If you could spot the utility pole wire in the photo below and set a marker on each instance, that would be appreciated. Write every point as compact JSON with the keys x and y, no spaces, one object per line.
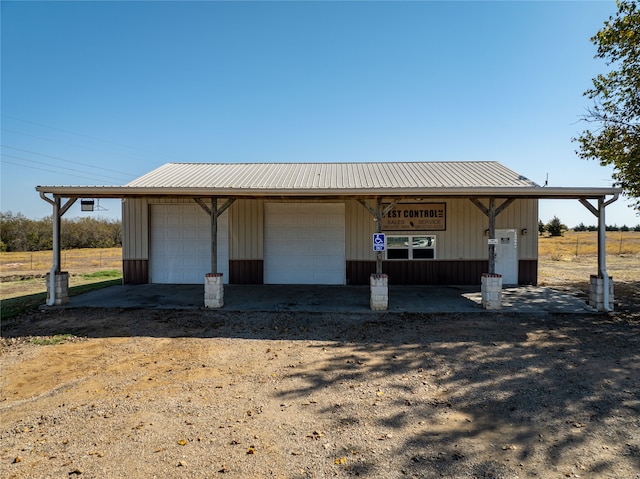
{"x":59,"y":167}
{"x":65,"y":160}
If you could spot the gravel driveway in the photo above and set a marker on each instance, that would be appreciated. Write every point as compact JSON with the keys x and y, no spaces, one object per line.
{"x":205,"y":394}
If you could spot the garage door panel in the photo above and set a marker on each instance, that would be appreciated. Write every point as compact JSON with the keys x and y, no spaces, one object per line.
{"x":190,"y":234}
{"x":306,"y":234}
{"x":307,"y":248}
{"x":180,"y":246}
{"x":304,"y":243}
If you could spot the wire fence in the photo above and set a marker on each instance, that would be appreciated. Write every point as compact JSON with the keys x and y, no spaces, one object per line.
{"x":77,"y":261}
{"x":586,"y":244}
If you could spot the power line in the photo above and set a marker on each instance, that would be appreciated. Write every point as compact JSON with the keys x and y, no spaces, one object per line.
{"x":49,"y":171}
{"x":88,"y":148}
{"x":121,"y":145}
{"x":124,"y":175}
{"x":58,"y":167}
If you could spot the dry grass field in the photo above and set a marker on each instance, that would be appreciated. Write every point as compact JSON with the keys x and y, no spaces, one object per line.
{"x":585,"y":243}
{"x":22,"y":275}
{"x":567,"y":262}
{"x":574,"y":256}
{"x":77,"y":261}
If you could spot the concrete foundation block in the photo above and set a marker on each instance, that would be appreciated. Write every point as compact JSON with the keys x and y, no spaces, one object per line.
{"x":213,"y":290}
{"x":379,"y":292}
{"x":491,"y":287}
{"x":61,"y":288}
{"x":596,"y":293}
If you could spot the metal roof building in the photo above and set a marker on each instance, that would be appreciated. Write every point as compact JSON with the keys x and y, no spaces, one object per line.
{"x":315,"y":223}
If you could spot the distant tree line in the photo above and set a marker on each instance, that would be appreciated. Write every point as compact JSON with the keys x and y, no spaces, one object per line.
{"x":555,"y":227}
{"x":19,"y":233}
{"x":582,"y":227}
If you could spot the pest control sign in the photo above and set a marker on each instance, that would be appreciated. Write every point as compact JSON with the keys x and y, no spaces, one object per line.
{"x":378,"y":241}
{"x":416,"y":217}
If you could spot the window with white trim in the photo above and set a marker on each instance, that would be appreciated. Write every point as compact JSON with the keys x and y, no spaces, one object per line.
{"x":411,"y":247}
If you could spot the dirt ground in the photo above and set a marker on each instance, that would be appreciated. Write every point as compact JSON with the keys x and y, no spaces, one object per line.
{"x":203,"y":394}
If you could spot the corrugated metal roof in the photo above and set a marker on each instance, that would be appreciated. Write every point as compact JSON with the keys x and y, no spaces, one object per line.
{"x":332,"y":176}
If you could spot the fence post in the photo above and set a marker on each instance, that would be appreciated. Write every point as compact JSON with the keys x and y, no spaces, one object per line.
{"x":620,"y":248}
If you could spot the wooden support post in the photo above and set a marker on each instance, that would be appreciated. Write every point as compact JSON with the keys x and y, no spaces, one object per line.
{"x":379,"y":215}
{"x":492,"y":213}
{"x":602,"y":254}
{"x":56,"y":267}
{"x":214,"y":234}
{"x":601,"y":303}
{"x":214,"y":212}
{"x":492,"y":235}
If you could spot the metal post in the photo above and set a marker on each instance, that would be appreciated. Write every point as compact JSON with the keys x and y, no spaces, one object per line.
{"x":602,"y":253}
{"x":214,"y":234}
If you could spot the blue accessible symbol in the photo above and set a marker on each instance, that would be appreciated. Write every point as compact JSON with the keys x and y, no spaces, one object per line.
{"x":378,"y":241}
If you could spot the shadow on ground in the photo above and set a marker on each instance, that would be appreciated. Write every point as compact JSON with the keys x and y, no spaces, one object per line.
{"x":561,"y":388}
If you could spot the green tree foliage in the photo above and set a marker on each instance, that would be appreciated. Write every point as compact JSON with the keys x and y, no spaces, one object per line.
{"x":555,"y":227}
{"x":615,"y":138}
{"x":19,"y":233}
{"x":580,"y":227}
{"x":88,"y":232}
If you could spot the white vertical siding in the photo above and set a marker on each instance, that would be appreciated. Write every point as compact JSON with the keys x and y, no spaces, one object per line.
{"x":463,"y":239}
{"x":358,"y":233}
{"x":246,"y":233}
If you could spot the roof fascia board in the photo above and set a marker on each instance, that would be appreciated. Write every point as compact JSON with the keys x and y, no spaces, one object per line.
{"x":462,"y":192}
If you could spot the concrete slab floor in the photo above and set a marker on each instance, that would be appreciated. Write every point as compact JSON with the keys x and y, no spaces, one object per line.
{"x":315,"y":298}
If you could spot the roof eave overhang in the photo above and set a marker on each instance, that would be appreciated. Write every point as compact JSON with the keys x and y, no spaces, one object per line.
{"x":458,"y":192}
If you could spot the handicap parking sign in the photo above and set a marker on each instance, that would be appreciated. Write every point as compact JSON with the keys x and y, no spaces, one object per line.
{"x":378,"y":241}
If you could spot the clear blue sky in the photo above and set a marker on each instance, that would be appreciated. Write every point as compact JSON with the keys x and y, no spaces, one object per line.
{"x":98,"y":93}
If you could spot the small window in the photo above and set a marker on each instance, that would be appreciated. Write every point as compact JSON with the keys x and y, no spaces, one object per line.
{"x":397,"y":247}
{"x":398,"y":253}
{"x":411,"y":247}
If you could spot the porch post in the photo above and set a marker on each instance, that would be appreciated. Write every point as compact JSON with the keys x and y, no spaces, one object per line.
{"x":379,"y":215}
{"x":57,"y":281}
{"x":602,"y":239}
{"x":491,"y":283}
{"x":378,"y":282}
{"x":601,"y":287}
{"x":56,"y":266}
{"x":601,"y":284}
{"x":55,"y":294}
{"x":213,"y":281}
{"x":491,"y":213}
{"x":214,"y":234}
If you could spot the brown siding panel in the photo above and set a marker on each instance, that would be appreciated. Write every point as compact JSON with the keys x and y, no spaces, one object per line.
{"x":246,"y":271}
{"x":435,"y":272}
{"x":135,"y":271}
{"x":358,"y":272}
{"x":425,"y":272}
{"x":528,"y":271}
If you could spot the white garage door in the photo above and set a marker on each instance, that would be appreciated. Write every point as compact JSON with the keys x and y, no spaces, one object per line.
{"x":180,"y":249}
{"x":304,"y":243}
